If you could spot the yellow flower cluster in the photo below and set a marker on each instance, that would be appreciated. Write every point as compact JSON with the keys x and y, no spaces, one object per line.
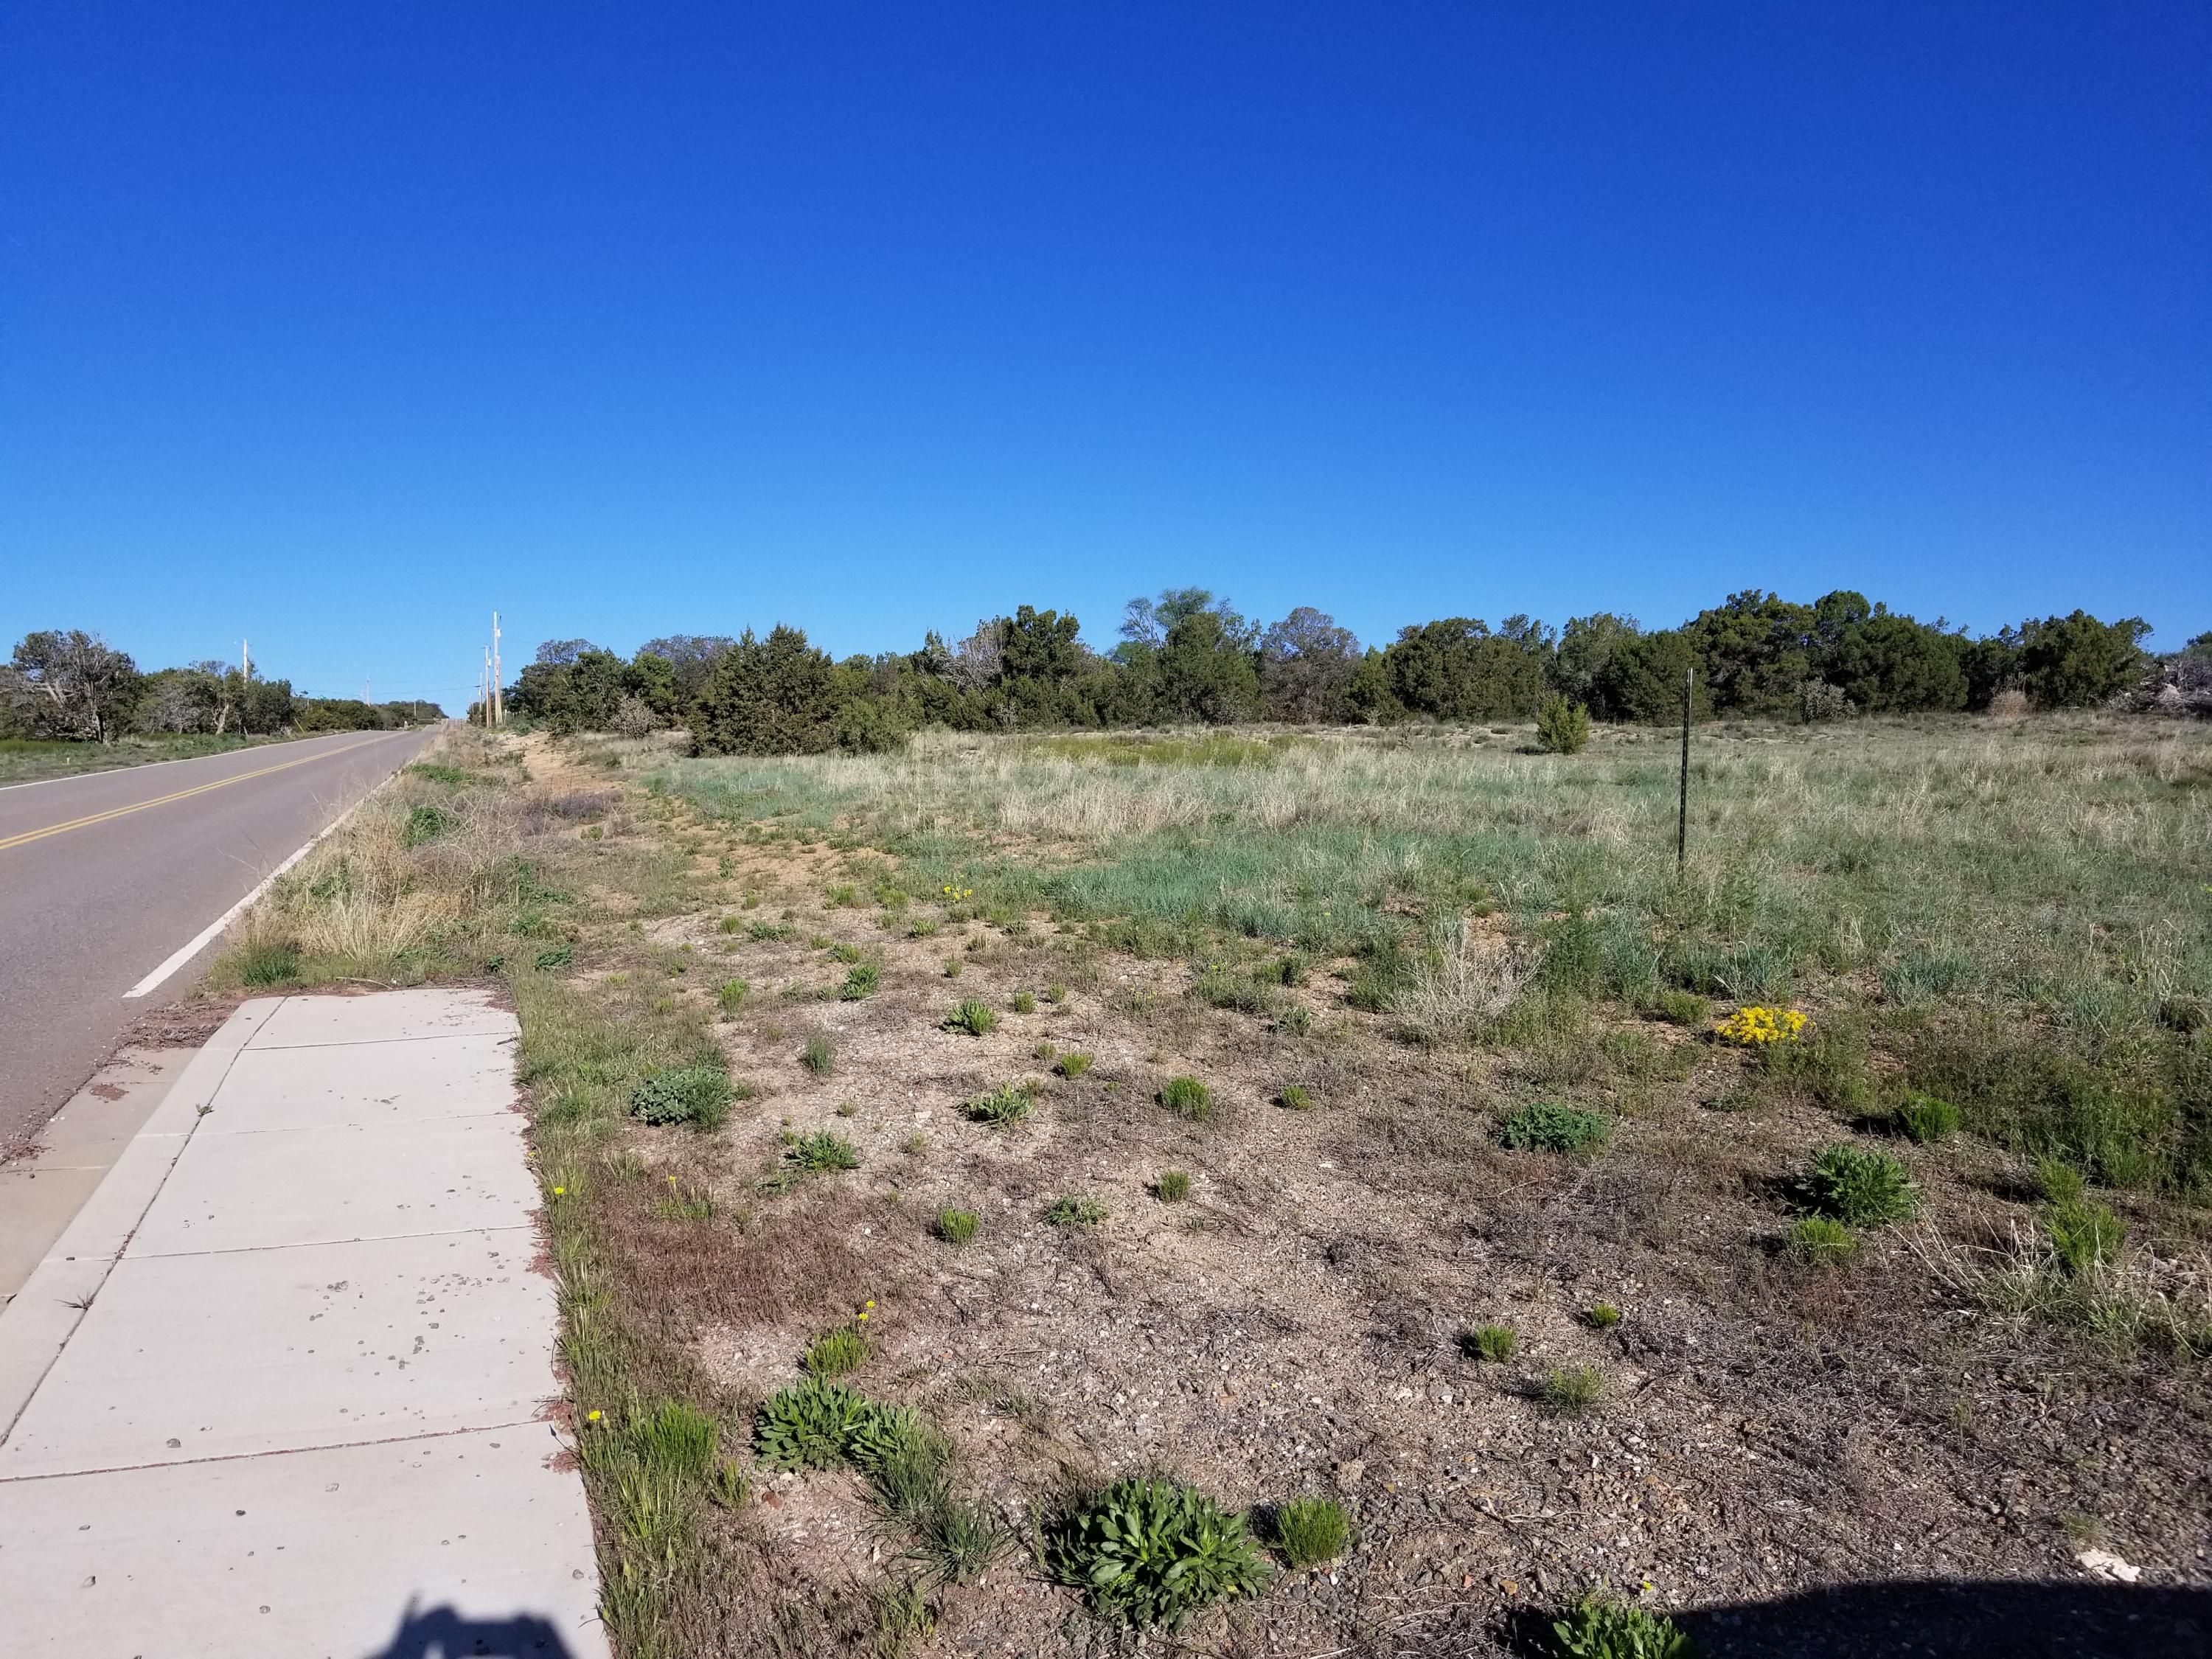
{"x":959,"y":892}
{"x":1756,"y":1027}
{"x":867,"y":1308}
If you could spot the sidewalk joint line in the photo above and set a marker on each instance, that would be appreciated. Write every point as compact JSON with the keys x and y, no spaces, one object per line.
{"x":275,"y":1452}
{"x":325,"y":1244}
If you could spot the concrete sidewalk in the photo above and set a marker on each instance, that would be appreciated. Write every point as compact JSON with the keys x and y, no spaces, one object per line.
{"x":282,"y":1386}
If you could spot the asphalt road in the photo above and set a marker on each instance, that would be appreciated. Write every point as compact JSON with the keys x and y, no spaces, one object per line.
{"x":104,"y":877}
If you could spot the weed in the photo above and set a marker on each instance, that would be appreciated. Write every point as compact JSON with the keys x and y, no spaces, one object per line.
{"x":821,"y":1151}
{"x":270,"y":961}
{"x":1548,"y":1126}
{"x":1007,"y":1105}
{"x":915,"y":1145}
{"x":426,"y":823}
{"x":2059,"y":1182}
{"x":953,"y":967}
{"x":1310,"y":1532}
{"x":976,"y":1017}
{"x":1924,"y":1118}
{"x":674,"y":1438}
{"x":956,"y":1541}
{"x":1023,"y":1002}
{"x":698,"y":1094}
{"x":1860,"y":1186}
{"x":847,"y":1109}
{"x":1495,"y":1343}
{"x":1821,"y":1241}
{"x":956,"y":1226}
{"x":1297,"y":1020}
{"x":1295,"y":1098}
{"x":731,"y":923}
{"x":561,"y":956}
{"x":1685,"y":1008}
{"x":1072,"y":1064}
{"x":1075,"y":1210}
{"x":1148,"y":1550}
{"x":2084,"y":1235}
{"x":1172,"y":1185}
{"x":1603,"y":1317}
{"x":732,"y":994}
{"x":1570,"y":1390}
{"x":728,"y":1486}
{"x":836,"y":1353}
{"x":1185,"y":1097}
{"x":1599,"y":1628}
{"x":1055,"y":994}
{"x":861,"y":979}
{"x":819,"y":1056}
{"x":809,"y":1425}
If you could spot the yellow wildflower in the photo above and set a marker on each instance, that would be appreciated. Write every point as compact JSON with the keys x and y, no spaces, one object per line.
{"x":1752,"y":1026}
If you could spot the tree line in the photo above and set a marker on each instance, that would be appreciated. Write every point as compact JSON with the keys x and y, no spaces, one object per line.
{"x":1187,"y":656}
{"x":70,"y":684}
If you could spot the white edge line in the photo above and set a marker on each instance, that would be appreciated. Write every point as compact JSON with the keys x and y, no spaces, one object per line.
{"x":206,"y":936}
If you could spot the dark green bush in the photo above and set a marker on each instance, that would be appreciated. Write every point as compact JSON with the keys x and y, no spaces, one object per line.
{"x":1153,"y":1552}
{"x":1563,"y":727}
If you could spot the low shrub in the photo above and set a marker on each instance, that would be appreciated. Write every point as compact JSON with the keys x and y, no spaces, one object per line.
{"x":1925,"y":1119}
{"x":1007,"y":1105}
{"x":1570,"y":1390}
{"x":1685,"y":1008}
{"x":956,"y":1226}
{"x":1819,"y":1241}
{"x":1495,"y":1343}
{"x":1603,"y":1317}
{"x":1185,"y":1097}
{"x":1075,"y":1210}
{"x":1563,"y":727}
{"x":976,"y":1017}
{"x":1310,"y":1532}
{"x":1152,"y":1552}
{"x":698,"y":1094}
{"x":1599,"y":1628}
{"x":820,"y":1150}
{"x":1548,"y":1126}
{"x":1860,"y":1186}
{"x":1172,"y":1186}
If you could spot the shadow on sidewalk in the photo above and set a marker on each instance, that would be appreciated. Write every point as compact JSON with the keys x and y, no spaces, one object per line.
{"x":442,"y":1633}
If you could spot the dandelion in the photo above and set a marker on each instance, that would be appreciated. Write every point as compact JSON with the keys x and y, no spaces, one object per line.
{"x":591,"y":1417}
{"x":560,"y":1192}
{"x":1755,"y":1027}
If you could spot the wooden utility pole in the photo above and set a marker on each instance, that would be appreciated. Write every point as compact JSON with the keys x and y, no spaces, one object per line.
{"x":1683,"y":809}
{"x":498,"y":702}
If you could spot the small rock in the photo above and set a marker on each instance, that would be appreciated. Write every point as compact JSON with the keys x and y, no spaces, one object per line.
{"x":2106,"y":1565}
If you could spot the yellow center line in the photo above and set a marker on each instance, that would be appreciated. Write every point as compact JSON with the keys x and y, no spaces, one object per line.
{"x":6,"y":841}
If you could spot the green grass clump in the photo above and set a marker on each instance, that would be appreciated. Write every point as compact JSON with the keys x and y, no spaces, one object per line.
{"x":732,"y":994}
{"x":1152,"y":1552}
{"x":2084,"y":1235}
{"x":1924,"y":1118}
{"x":1075,"y":1210}
{"x":976,"y":1018}
{"x":836,"y":1353}
{"x":1023,"y":1002}
{"x":1185,"y":1097}
{"x":1310,"y":1532}
{"x":1548,"y":1126}
{"x":1603,"y":1317}
{"x":698,"y":1094}
{"x":1495,"y":1343}
{"x":1007,"y":1105}
{"x":1599,"y":1628}
{"x":1072,"y":1064}
{"x":1570,"y":1390}
{"x":1859,"y":1186}
{"x":1685,"y":1008}
{"x":2059,"y":1181}
{"x":1172,"y":1185}
{"x":269,"y":962}
{"x":956,"y":1226}
{"x":819,"y":1056}
{"x":1295,"y":1098}
{"x":1821,"y":1241}
{"x":425,"y":824}
{"x":821,"y":1151}
{"x":809,"y":1425}
{"x":861,"y":979}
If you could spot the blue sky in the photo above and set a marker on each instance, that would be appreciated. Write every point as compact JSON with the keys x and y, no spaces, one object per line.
{"x":338,"y":326}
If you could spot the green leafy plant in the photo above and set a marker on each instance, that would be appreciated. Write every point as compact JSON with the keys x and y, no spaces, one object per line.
{"x":1172,"y":1185}
{"x":697,"y":1094}
{"x":976,"y":1018}
{"x":1075,"y":1210}
{"x":1549,"y":1126}
{"x":1860,"y":1186}
{"x":1821,"y":1241}
{"x":1570,"y":1390}
{"x":1495,"y":1343}
{"x":1295,"y":1098}
{"x":732,"y":994}
{"x":1563,"y":727}
{"x":861,"y":979}
{"x":1310,"y":1532}
{"x":1685,"y":1008}
{"x":809,"y":1425}
{"x":1185,"y":1097}
{"x":426,"y":823}
{"x":956,"y":1226}
{"x":1603,"y":1317}
{"x":1072,"y":1064}
{"x":1007,"y":1105}
{"x":819,"y":1056}
{"x":819,"y":1150}
{"x":1924,"y":1118}
{"x":561,"y":956}
{"x":836,"y":1353}
{"x":1600,"y":1628}
{"x":1149,"y":1551}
